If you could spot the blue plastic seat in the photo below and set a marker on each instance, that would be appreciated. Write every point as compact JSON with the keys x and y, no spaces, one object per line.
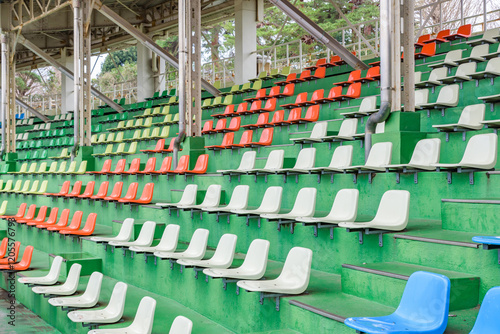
{"x":487,"y":240}
{"x":487,"y":320}
{"x":423,"y":308}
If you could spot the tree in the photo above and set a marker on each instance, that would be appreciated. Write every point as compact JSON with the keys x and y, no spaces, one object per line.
{"x":27,"y":83}
{"x":120,"y":57}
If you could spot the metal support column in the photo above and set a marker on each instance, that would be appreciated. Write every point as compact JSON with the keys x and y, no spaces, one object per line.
{"x":8,"y":112}
{"x":396,"y":54}
{"x":196,"y":69}
{"x":409,"y":51}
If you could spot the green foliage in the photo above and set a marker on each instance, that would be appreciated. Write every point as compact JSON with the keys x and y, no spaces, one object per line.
{"x":27,"y":82}
{"x":121,"y":57}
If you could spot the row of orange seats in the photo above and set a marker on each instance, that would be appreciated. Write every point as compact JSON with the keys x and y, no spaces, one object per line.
{"x":445,"y":35}
{"x":9,"y":256}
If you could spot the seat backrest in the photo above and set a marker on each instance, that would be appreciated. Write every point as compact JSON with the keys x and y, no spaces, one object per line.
{"x":275,"y":159}
{"x":126,"y":230}
{"x":335,"y":92}
{"x":33,"y":189}
{"x":228,"y":139}
{"x":296,"y":270}
{"x":201,"y":165}
{"x":207,"y":126}
{"x":424,"y":38}
{"x":117,"y":301}
{"x":246,"y":137}
{"x":275,"y":90}
{"x":443,"y":33}
{"x":77,"y":188}
{"x":278,"y":116}
{"x":266,"y":137}
{"x":135,"y":165}
{"x":198,"y":244}
{"x":224,"y":253}
{"x":26,"y":186}
{"x":426,"y":297}
{"x":120,"y":166}
{"x":438,"y":74}
{"x":131,"y":191}
{"x":52,"y":216}
{"x":248,"y":160}
{"x":143,"y":321}
{"x":465,"y":29}
{"x":183,"y":164}
{"x":480,"y":50}
{"x":312,"y":113}
{"x":394,"y":209}
{"x":189,"y":195}
{"x":354,"y":90}
{"x":26,"y":259}
{"x":305,"y":203}
{"x":181,"y":325}
{"x":90,"y":223}
{"x":89,"y":189}
{"x":8,"y":187}
{"x":255,"y":262}
{"x":72,"y":167}
{"x":212,"y":196}
{"x":150,"y":165}
{"x":146,"y":235}
{"x":472,"y":115}
{"x":348,"y":127}
{"x":132,"y":148}
{"x":117,"y":190}
{"x":493,"y":65}
{"x":170,"y":237}
{"x":294,"y":114}
{"x":487,"y":320}
{"x":380,"y":155}
{"x":305,"y":158}
{"x":342,"y":157}
{"x":421,"y":97}
{"x":426,"y":152}
{"x":42,"y":213}
{"x":429,"y":49}
{"x":262,"y":119}
{"x":481,"y":151}
{"x":65,"y":187}
{"x":76,"y":220}
{"x":147,"y":192}
{"x":453,"y":55}
{"x":301,"y":97}
{"x":345,"y":205}
{"x":239,"y":198}
{"x":83,"y":167}
{"x":221,"y":124}
{"x":319,"y":130}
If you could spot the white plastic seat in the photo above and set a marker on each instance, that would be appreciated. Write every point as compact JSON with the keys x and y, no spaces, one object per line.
{"x":450,"y":60}
{"x":238,"y":201}
{"x":273,"y":163}
{"x":305,"y":161}
{"x":271,"y":203}
{"x":341,"y":159}
{"x":304,"y":206}
{"x":88,"y":299}
{"x":347,"y":130}
{"x":110,"y":314}
{"x":477,"y":54}
{"x":463,"y":73}
{"x":294,"y":277}
{"x":392,"y":214}
{"x":188,"y":197}
{"x":448,"y":97}
{"x":368,"y":106}
{"x":470,"y":119}
{"x":344,"y":209}
{"x":247,"y":162}
{"x":211,"y":200}
{"x":195,"y":251}
{"x":488,"y":37}
{"x":379,"y":157}
{"x":493,"y":54}
{"x":181,"y":325}
{"x":143,"y":321}
{"x":68,"y":288}
{"x":318,"y":132}
{"x":425,"y":155}
{"x":222,"y":258}
{"x":421,"y":97}
{"x":435,"y":77}
{"x":168,"y":241}
{"x":417,"y":77}
{"x":144,"y":239}
{"x":124,"y":235}
{"x":49,"y":279}
{"x":253,"y":267}
{"x":492,"y":70}
{"x":480,"y":153}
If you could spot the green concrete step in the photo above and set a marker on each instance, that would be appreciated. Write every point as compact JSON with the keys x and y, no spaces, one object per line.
{"x":471,"y":215}
{"x":384,"y":282}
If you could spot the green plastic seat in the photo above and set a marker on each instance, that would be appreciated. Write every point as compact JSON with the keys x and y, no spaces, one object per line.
{"x":17,"y":187}
{"x":42,"y":189}
{"x":34,"y":187}
{"x":71,"y":168}
{"x":119,"y":150}
{"x":7,"y":187}
{"x":62,"y":168}
{"x":120,"y":126}
{"x":41,"y":169}
{"x":136,"y":136}
{"x":81,"y":170}
{"x":109,"y":139}
{"x":147,"y":113}
{"x":25,"y":187}
{"x":107,"y":151}
{"x":52,"y":168}
{"x":119,"y":137}
{"x":132,"y":148}
{"x":23,"y":169}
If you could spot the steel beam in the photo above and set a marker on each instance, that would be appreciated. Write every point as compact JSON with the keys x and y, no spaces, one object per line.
{"x":67,"y":72}
{"x":32,"y":110}
{"x":146,"y":41}
{"x":319,"y":34}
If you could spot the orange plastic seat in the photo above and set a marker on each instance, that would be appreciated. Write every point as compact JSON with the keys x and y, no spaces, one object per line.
{"x":423,"y":39}
{"x":20,"y":212}
{"x":316,"y":96}
{"x":261,"y":93}
{"x":234,"y":125}
{"x":75,"y":223}
{"x":353,"y":92}
{"x":245,"y":139}
{"x":120,"y":167}
{"x":150,"y":166}
{"x":303,"y":75}
{"x":294,"y":115}
{"x":319,"y":62}
{"x":165,"y":166}
{"x":30,"y":214}
{"x":228,"y":111}
{"x":312,"y":115}
{"x":115,"y":193}
{"x":64,"y":190}
{"x":266,"y":138}
{"x":342,"y":61}
{"x":287,"y":91}
{"x":318,"y":74}
{"x":207,"y":127}
{"x":87,"y":229}
{"x":63,"y":220}
{"x":428,"y":50}
{"x":77,"y":189}
{"x":106,"y":168}
{"x":275,"y":91}
{"x":50,"y":221}
{"x":353,"y":76}
{"x":334,"y":93}
{"x":440,"y":37}
{"x":102,"y":192}
{"x":278,"y":118}
{"x":289,"y":79}
{"x":334,"y":61}
{"x":301,"y":98}
{"x":463,"y":32}
{"x":89,"y":190}
{"x":227,"y":141}
{"x":261,"y":121}
{"x":221,"y":125}
{"x":170,"y":147}
{"x":3,"y":247}
{"x":372,"y":74}
{"x":40,"y":218}
{"x":182,"y":166}
{"x":146,"y":197}
{"x":160,"y":145}
{"x":12,"y":254}
{"x":131,"y":192}
{"x":135,"y":165}
{"x":23,"y":264}
{"x":201,"y":165}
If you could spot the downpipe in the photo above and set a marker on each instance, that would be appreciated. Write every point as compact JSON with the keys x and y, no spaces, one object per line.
{"x":77,"y":73}
{"x":5,"y":92}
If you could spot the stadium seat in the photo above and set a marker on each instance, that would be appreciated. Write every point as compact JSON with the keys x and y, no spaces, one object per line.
{"x":195,"y":250}
{"x":372,"y":74}
{"x":470,"y":119}
{"x":440,"y":37}
{"x":68,"y":288}
{"x":477,"y":54}
{"x":435,"y":78}
{"x":428,"y":50}
{"x":25,"y":187}
{"x":110,"y":314}
{"x":480,"y":153}
{"x":319,"y":62}
{"x":89,"y":298}
{"x":304,"y":206}
{"x":102,"y":192}
{"x":134,"y":167}
{"x":423,"y":39}
{"x":448,"y":97}
{"x":487,"y":320}
{"x":229,"y":110}
{"x":30,"y":214}
{"x":211,"y":200}
{"x":120,"y":167}
{"x":247,"y":162}
{"x":278,"y":118}
{"x":227,"y":141}
{"x":181,"y":325}
{"x":348,"y":129}
{"x":146,"y":197}
{"x":274,"y":162}
{"x":74,"y":225}
{"x":168,"y":241}
{"x":234,"y":125}
{"x":353,"y":77}
{"x":222,"y":257}
{"x":106,"y":168}
{"x":450,"y":60}
{"x":392,"y":214}
{"x":144,"y":239}
{"x":305,"y":161}
{"x":200,"y":167}
{"x":492,"y":70}
{"x":424,"y":157}
{"x":463,"y":73}
{"x":51,"y":278}
{"x":63,"y":220}
{"x":318,"y":132}
{"x":487,"y":38}
{"x":7,"y":187}
{"x":238,"y":201}
{"x":379,"y":157}
{"x":182,"y":166}
{"x":87,"y":229}
{"x":12,"y":255}
{"x":266,"y":138}
{"x":129,"y":195}
{"x":253,"y":267}
{"x":261,"y":93}
{"x":464,"y":31}
{"x":21,"y":265}
{"x":150,"y":166}
{"x":125,"y":233}
{"x":188,"y":197}
{"x":301,"y":98}
{"x":164,"y":168}
{"x":50,"y":221}
{"x":142,"y":323}
{"x":77,"y":189}
{"x":427,"y":294}
{"x":208,"y":127}
{"x":40,"y":218}
{"x":294,"y":277}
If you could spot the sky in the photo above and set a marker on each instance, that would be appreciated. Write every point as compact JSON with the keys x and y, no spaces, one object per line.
{"x":97,"y":67}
